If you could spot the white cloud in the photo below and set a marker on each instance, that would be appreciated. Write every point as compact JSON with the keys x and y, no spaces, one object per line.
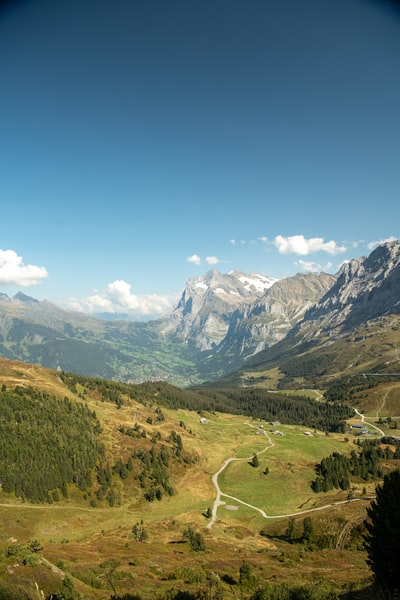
{"x":195,"y":259}
{"x":13,"y":270}
{"x":118,"y":298}
{"x":233,"y":242}
{"x":372,"y":245}
{"x":313,"y":267}
{"x":298,"y":244}
{"x":263,"y":239}
{"x":309,"y":266}
{"x":92,"y":304}
{"x":212,"y":260}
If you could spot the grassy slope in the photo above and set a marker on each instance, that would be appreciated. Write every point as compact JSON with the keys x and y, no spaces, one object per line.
{"x":84,"y":538}
{"x":366,"y":348}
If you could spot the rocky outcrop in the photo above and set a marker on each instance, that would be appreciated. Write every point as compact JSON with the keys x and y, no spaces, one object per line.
{"x":366,"y":288}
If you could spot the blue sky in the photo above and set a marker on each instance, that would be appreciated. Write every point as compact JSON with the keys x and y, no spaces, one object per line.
{"x":144,"y":142}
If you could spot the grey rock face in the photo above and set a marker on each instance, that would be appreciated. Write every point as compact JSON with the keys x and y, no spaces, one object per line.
{"x":203,"y":315}
{"x":269,"y":319}
{"x":366,"y":288}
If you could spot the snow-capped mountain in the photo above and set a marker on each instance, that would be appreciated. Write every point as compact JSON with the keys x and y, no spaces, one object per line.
{"x":203,"y":314}
{"x":242,"y":314}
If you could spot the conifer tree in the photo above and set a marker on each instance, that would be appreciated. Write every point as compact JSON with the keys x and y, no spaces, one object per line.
{"x":255,"y":461}
{"x":383,"y":534}
{"x":291,"y":530}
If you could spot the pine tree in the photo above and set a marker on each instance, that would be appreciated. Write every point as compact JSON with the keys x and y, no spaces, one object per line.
{"x":67,"y":590}
{"x":291,"y":530}
{"x":255,"y":461}
{"x":308,"y":531}
{"x":139,"y":532}
{"x":383,"y":534}
{"x":195,"y":539}
{"x":245,"y":575}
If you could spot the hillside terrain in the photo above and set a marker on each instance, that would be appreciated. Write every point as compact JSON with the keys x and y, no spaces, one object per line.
{"x":182,"y":491}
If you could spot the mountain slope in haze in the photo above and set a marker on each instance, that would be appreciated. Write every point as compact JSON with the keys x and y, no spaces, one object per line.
{"x":44,"y":334}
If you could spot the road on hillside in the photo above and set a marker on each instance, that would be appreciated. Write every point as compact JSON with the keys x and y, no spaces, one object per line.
{"x":218,"y":502}
{"x":382,"y":433}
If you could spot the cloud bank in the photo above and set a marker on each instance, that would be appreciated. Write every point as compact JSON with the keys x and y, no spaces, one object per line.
{"x":13,"y":271}
{"x":298,"y":244}
{"x":372,"y":245}
{"x":313,"y":267}
{"x":118,"y":298}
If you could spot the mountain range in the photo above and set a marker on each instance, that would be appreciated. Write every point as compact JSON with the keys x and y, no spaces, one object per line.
{"x":222,"y":323}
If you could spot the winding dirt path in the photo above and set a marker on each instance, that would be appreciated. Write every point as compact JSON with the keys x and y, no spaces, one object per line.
{"x":362,"y":417}
{"x":218,"y":502}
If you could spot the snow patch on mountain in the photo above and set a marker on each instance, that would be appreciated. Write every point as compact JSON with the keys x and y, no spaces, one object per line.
{"x":255,"y":281}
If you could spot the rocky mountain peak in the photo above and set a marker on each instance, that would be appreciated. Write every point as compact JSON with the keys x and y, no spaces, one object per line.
{"x":24,"y":298}
{"x":366,"y":288}
{"x":244,"y":312}
{"x":204,"y":311}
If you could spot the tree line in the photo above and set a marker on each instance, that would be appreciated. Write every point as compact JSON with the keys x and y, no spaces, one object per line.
{"x":345,"y":387}
{"x":250,"y":402}
{"x":272,"y":406}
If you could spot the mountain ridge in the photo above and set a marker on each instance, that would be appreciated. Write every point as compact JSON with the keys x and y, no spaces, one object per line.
{"x":354,"y":328}
{"x":222,"y":322}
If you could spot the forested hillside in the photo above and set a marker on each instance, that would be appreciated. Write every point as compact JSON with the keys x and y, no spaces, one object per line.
{"x":251,"y":402}
{"x":108,"y":489}
{"x":46,"y":443}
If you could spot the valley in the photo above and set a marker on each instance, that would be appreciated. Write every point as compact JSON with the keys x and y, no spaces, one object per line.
{"x":230,"y":450}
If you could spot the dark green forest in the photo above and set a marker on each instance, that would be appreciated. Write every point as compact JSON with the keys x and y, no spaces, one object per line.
{"x":336,"y":470}
{"x":345,"y":388}
{"x":46,"y":443}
